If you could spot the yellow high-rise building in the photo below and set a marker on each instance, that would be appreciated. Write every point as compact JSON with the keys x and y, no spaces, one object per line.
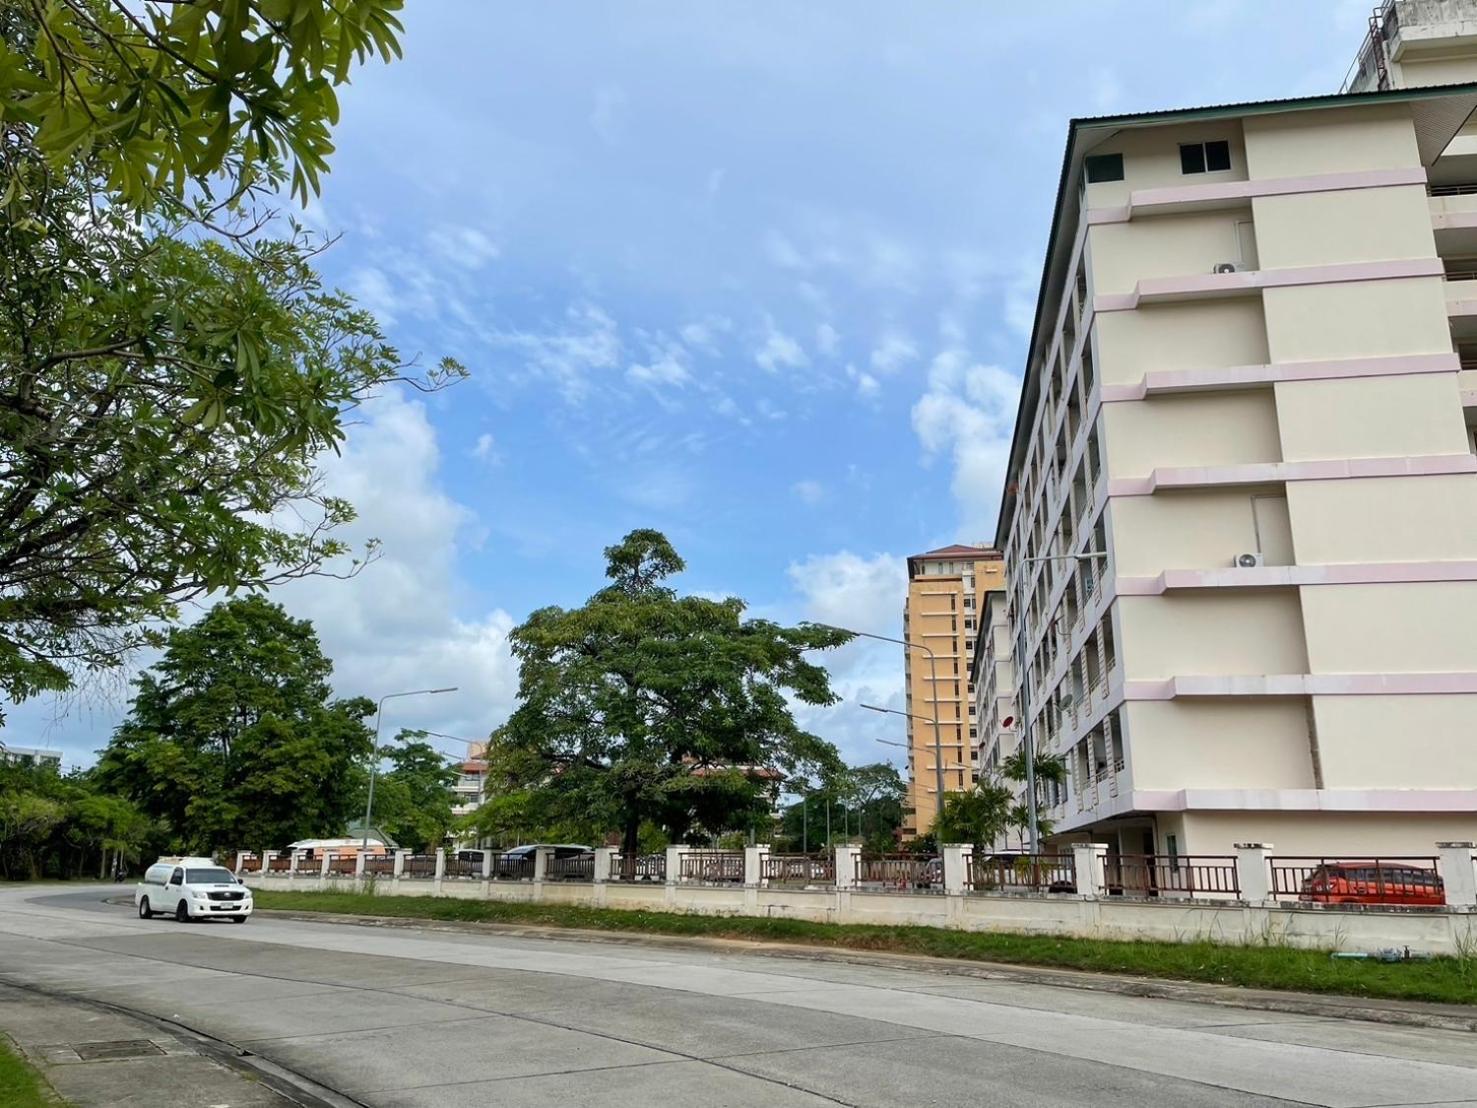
{"x":945,"y":591}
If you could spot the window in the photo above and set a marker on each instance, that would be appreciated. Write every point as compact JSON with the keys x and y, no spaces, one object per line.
{"x":1104,"y":167}
{"x":1205,"y":157}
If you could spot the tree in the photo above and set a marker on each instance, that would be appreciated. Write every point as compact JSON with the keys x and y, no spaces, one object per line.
{"x":643,"y":705}
{"x":59,"y":825}
{"x":1046,"y":768}
{"x":413,"y":801}
{"x":977,"y":816}
{"x":233,"y":739}
{"x":171,"y":366}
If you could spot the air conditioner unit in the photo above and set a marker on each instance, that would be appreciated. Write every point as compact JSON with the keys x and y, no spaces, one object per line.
{"x":1226,"y":267}
{"x":1247,"y":561}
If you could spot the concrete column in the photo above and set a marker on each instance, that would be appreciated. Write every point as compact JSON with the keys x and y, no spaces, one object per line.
{"x":541,"y":856}
{"x":487,"y":863}
{"x":399,"y":867}
{"x":1090,"y":862}
{"x":846,"y":857}
{"x":440,"y":865}
{"x":359,"y":863}
{"x":674,"y":864}
{"x":267,"y":856}
{"x":602,"y":864}
{"x":323,"y":865}
{"x":292,"y":857}
{"x":956,"y":861}
{"x":1253,"y":873}
{"x":1459,"y":873}
{"x":752,"y":854}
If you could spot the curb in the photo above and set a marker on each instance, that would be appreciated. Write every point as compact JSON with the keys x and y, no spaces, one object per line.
{"x":1402,"y":1013}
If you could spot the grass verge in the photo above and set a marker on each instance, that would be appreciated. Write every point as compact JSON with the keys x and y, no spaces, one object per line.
{"x":1445,"y":980}
{"x":20,"y":1085}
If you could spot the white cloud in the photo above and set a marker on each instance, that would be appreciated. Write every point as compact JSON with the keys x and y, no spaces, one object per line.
{"x":371,"y":289}
{"x":827,"y":339}
{"x":589,"y":340}
{"x":779,"y":350}
{"x":463,"y":246}
{"x":703,"y":334}
{"x":968,"y":412}
{"x":893,"y":352}
{"x":609,"y":115}
{"x":809,"y":491}
{"x":867,"y":386}
{"x":485,"y":449}
{"x":666,"y":369}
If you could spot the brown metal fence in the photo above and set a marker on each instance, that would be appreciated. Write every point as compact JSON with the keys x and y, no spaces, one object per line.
{"x":342,"y":864}
{"x":1038,"y":873}
{"x":1411,"y":881}
{"x":580,"y":867}
{"x":280,"y":863}
{"x":469,"y":867}
{"x":512,"y":867}
{"x":797,"y":869}
{"x":712,"y":867}
{"x":419,"y":866}
{"x":641,"y":867}
{"x":251,"y":863}
{"x":1211,"y":876}
{"x":379,"y":865}
{"x":306,"y":863}
{"x":900,"y":873}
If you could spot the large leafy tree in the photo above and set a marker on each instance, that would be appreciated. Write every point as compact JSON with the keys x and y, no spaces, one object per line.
{"x":645,"y":705}
{"x":62,"y":825}
{"x":234,"y":738}
{"x":171,"y":366}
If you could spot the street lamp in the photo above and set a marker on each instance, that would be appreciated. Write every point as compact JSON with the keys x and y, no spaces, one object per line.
{"x":933,"y":678}
{"x":1025,"y":669}
{"x":375,"y":756}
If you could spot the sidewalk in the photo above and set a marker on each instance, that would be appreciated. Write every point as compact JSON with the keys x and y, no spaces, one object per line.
{"x":94,"y":1057}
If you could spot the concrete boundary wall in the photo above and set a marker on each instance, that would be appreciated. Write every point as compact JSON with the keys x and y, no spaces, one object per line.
{"x":1446,"y":931}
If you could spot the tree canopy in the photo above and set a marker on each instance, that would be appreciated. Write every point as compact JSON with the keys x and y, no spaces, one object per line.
{"x":644,"y":705}
{"x":171,"y":365}
{"x":233,"y":739}
{"x":61,"y":825}
{"x":413,"y":798}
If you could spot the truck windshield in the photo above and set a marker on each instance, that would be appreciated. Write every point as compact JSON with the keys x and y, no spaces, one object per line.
{"x":213,"y":875}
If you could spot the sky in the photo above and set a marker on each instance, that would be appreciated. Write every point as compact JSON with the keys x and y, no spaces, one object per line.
{"x":759,"y":275}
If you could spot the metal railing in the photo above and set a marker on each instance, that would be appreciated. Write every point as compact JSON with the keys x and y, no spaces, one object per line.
{"x":797,"y":869}
{"x":1038,"y":873}
{"x":580,"y":867}
{"x":281,"y":863}
{"x":511,"y":867}
{"x":640,"y":867}
{"x":251,"y":863}
{"x":1412,"y":881}
{"x":343,"y":864}
{"x":900,"y":873}
{"x":306,"y":863}
{"x":1176,"y":875}
{"x":1450,"y":190}
{"x":420,"y":866}
{"x":379,"y":865}
{"x":459,"y":867}
{"x":712,"y":867}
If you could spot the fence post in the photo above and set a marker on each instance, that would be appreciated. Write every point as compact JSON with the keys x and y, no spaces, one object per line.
{"x":1459,"y":873}
{"x":954,"y":868}
{"x":487,"y":863}
{"x":541,"y":855}
{"x":292,"y":860}
{"x":359,"y":863}
{"x":674,"y":864}
{"x":846,"y":857}
{"x":324,"y":864}
{"x":1089,"y":863}
{"x":752,"y":875}
{"x":1253,"y":871}
{"x":440,"y":864}
{"x":267,"y":856}
{"x":398,"y":871}
{"x":602,"y":865}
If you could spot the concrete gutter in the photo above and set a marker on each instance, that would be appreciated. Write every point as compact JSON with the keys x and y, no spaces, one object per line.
{"x":1446,"y":1017}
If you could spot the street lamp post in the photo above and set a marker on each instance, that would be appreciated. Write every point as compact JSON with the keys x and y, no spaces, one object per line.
{"x":1025,"y":671}
{"x":933,"y":678}
{"x":375,"y":753}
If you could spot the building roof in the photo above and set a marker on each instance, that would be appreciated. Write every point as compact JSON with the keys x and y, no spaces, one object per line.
{"x":956,"y":553}
{"x":1439,"y":112}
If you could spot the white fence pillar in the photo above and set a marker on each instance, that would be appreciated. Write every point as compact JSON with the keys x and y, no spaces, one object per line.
{"x":267,"y":856}
{"x":359,"y":857}
{"x":846,"y":857}
{"x":674,"y":864}
{"x":398,"y":870}
{"x":487,"y":864}
{"x":440,"y":864}
{"x":1459,"y":873}
{"x":603,"y":854}
{"x":323,"y":865}
{"x":292,"y":860}
{"x":956,"y":861}
{"x":541,"y":856}
{"x":752,"y":855}
{"x":1089,"y":861}
{"x":1253,"y":872}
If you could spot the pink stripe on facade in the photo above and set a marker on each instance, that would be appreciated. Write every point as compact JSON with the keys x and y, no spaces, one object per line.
{"x":1222,"y":377}
{"x":1380,"y":573}
{"x":1142,"y":200}
{"x":1257,"y":473}
{"x":1191,"y":286}
{"x":1306,"y":800}
{"x":1303,"y":684}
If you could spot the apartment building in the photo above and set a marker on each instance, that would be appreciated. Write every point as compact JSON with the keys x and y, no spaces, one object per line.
{"x":941,"y":615}
{"x":1245,"y":444}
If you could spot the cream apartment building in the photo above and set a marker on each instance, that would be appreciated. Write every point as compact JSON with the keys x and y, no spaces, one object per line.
{"x":1245,"y":390}
{"x":945,"y":588}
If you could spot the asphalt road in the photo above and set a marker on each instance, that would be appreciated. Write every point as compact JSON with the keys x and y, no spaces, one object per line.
{"x":426,"y":1018}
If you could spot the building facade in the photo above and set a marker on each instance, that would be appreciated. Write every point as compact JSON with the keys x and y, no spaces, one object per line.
{"x":1245,"y":447}
{"x":942,"y":615}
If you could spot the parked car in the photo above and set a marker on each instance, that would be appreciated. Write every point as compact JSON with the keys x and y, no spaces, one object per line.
{"x":518,"y":862}
{"x":1374,"y":883}
{"x":191,"y":889}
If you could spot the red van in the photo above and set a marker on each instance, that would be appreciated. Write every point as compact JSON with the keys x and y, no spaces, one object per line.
{"x":1374,"y":883}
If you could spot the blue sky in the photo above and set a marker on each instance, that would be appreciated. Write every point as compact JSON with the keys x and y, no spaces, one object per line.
{"x":758,"y":275}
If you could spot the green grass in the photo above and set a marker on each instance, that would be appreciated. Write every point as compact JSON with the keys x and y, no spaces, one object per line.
{"x":20,"y":1085}
{"x":1446,"y":980}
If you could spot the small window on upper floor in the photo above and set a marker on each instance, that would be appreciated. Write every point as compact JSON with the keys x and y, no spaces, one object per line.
{"x":1205,"y":157}
{"x":1104,"y":167}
